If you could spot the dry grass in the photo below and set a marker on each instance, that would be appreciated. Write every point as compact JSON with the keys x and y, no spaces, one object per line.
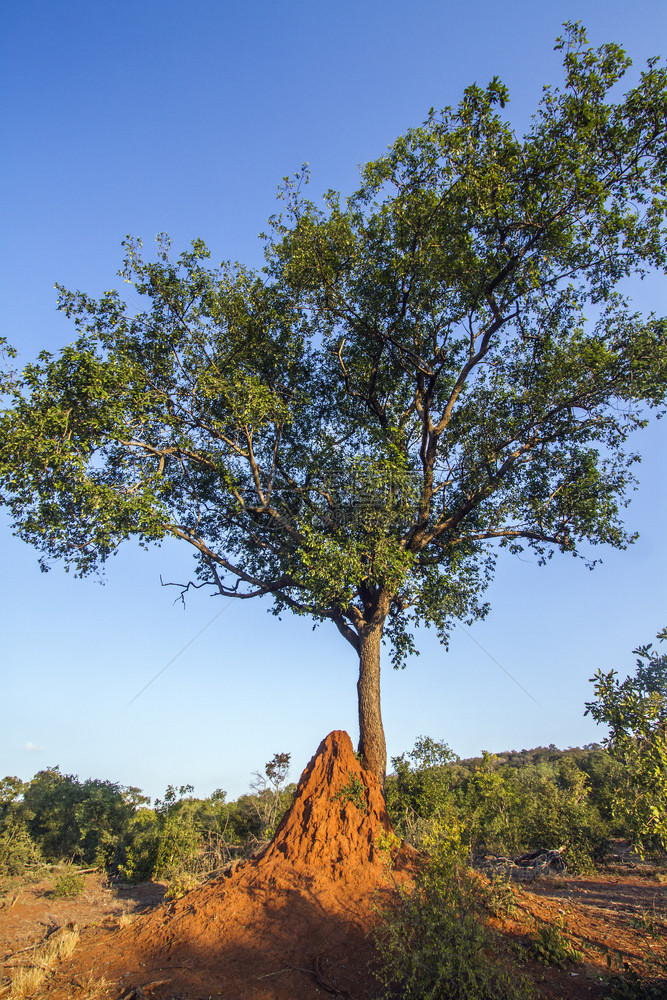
{"x":126,"y":919}
{"x":91,"y":988}
{"x":26,"y":980}
{"x":38,"y":964}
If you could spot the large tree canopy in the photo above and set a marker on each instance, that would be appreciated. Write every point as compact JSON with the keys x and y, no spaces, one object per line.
{"x":439,"y":367}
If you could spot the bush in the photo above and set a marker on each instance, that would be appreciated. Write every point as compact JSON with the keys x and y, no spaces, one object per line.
{"x":17,"y":850}
{"x":551,"y":947}
{"x":179,"y":843}
{"x":632,"y":986}
{"x":433,"y":943}
{"x":420,"y":799}
{"x":635,"y":710}
{"x":137,"y":856}
{"x":69,"y":884}
{"x":79,"y":820}
{"x":500,"y":808}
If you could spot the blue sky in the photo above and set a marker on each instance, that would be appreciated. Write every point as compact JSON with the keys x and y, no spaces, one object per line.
{"x":141,"y":117}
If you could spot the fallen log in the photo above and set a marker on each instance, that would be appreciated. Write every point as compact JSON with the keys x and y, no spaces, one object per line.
{"x":530,"y":865}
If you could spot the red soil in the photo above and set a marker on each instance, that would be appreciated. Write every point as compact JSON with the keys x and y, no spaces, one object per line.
{"x":287,"y":924}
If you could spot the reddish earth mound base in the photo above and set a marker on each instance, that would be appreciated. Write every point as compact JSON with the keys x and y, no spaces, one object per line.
{"x":293,"y":922}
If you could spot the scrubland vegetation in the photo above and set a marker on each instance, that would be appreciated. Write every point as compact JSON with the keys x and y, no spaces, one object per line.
{"x":577,"y":799}
{"x":501,"y":804}
{"x":55,"y":817}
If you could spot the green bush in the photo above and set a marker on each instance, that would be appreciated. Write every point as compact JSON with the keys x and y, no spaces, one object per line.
{"x":551,"y":947}
{"x":635,"y":710}
{"x":420,"y":799}
{"x":179,"y":851}
{"x":17,"y":850}
{"x":181,"y":840}
{"x":68,"y":884}
{"x":184,"y":839}
{"x":353,"y":792}
{"x":69,"y":818}
{"x":137,"y":855}
{"x":631,"y":986}
{"x":433,"y":943}
{"x":542,"y":798}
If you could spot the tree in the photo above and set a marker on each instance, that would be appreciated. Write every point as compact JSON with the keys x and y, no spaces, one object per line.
{"x":75,"y":819}
{"x":635,"y":710}
{"x":440,"y":367}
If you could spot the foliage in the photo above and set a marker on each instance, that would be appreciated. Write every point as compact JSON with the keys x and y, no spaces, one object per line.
{"x":419,"y":795}
{"x":272,"y":794}
{"x":68,"y":884}
{"x":438,"y":368}
{"x":631,"y":986}
{"x":17,"y":847}
{"x":551,"y":947}
{"x":509,"y":803}
{"x":542,"y":798}
{"x":82,"y":821}
{"x":635,"y":710}
{"x":181,"y":881}
{"x":11,"y":790}
{"x":509,"y":809}
{"x":137,"y":858}
{"x":17,"y":850}
{"x":178,"y":841}
{"x":353,"y":791}
{"x":433,"y":943}
{"x":387,"y":843}
{"x":185,"y":839}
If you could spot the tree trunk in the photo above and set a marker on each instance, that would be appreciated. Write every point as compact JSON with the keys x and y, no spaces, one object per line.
{"x":372,"y":746}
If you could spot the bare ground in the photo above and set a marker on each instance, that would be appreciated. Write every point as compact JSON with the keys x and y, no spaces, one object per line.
{"x":616,"y":914}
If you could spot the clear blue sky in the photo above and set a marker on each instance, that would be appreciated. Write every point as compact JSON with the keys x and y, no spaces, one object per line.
{"x":145,"y":116}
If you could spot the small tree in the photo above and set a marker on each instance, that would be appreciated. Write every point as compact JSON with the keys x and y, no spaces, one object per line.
{"x":436,"y":369}
{"x":272,"y":794}
{"x":636,"y":712}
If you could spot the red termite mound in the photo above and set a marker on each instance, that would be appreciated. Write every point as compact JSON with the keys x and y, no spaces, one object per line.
{"x":338,"y":816}
{"x":290,"y":922}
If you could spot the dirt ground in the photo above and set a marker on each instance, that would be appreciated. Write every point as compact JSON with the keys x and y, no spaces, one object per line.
{"x":296,"y":922}
{"x":615,"y":918}
{"x":601,"y":915}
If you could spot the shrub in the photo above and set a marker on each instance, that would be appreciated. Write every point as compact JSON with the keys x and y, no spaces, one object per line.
{"x":433,"y":943}
{"x":68,"y":884}
{"x":500,"y":807}
{"x":551,"y":947}
{"x":631,"y":986}
{"x":137,"y":858}
{"x":180,"y":883}
{"x":353,"y":791}
{"x":420,"y":800}
{"x":17,"y":850}
{"x":68,"y":818}
{"x":635,"y":710}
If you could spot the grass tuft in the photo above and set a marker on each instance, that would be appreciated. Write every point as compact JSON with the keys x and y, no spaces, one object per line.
{"x":39,"y":963}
